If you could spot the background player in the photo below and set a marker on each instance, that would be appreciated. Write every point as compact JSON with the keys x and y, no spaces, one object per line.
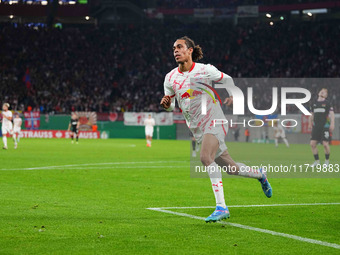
{"x":74,"y":127}
{"x":279,"y":132}
{"x":17,"y":121}
{"x":7,"y":126}
{"x":214,"y":152}
{"x":321,"y":125}
{"x":194,"y":145}
{"x":149,"y":123}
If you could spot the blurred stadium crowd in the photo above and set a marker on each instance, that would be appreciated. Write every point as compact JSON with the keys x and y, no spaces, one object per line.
{"x":174,"y":4}
{"x":123,"y":68}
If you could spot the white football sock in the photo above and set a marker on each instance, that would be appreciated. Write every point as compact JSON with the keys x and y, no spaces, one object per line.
{"x":286,"y":142}
{"x":15,"y":138}
{"x":217,"y":185}
{"x":276,"y":142}
{"x":4,"y":139}
{"x":247,"y":171}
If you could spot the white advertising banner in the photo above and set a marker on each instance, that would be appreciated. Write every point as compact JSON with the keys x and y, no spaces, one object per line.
{"x":137,"y":118}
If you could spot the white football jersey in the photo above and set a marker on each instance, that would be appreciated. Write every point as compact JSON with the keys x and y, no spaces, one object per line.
{"x":6,"y":122}
{"x":17,"y":122}
{"x":149,"y":123}
{"x":188,"y":88}
{"x":279,"y":130}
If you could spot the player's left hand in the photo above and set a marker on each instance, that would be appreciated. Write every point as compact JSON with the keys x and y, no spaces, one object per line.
{"x":228,"y":101}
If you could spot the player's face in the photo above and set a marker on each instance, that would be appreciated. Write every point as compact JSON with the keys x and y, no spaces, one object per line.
{"x":4,"y":107}
{"x":323,"y":93}
{"x":181,"y":52}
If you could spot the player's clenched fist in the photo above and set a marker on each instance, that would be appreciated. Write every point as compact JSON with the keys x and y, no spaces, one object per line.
{"x":228,"y":101}
{"x":166,"y":102}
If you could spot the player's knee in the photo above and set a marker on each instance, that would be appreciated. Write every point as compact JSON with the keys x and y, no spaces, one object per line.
{"x":205,"y":159}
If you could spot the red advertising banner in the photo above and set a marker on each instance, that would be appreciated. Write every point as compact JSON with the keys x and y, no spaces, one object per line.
{"x":32,"y":120}
{"x":113,"y":116}
{"x":58,"y":134}
{"x":304,"y":124}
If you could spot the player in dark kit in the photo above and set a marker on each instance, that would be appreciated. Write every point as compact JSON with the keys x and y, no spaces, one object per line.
{"x":321,"y":125}
{"x":74,"y":126}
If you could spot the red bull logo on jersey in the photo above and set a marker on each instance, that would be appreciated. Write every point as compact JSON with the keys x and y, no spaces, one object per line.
{"x":191,"y":94}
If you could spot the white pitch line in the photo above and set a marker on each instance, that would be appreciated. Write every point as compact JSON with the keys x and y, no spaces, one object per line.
{"x":115,"y":167}
{"x":91,"y":164}
{"x":266,"y":231}
{"x":244,"y":206}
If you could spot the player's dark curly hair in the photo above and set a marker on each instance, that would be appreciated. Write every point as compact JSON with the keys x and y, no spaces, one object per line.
{"x":197,"y":53}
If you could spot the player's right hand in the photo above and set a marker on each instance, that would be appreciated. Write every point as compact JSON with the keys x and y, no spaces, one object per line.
{"x":166,"y":102}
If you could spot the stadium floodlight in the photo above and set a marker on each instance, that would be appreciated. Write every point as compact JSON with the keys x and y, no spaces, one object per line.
{"x":72,"y":2}
{"x":44,"y":2}
{"x":314,"y":11}
{"x":282,"y":18}
{"x":11,"y":16}
{"x":87,"y":17}
{"x":309,"y":14}
{"x":10,"y":2}
{"x":268,"y":15}
{"x":29,"y":2}
{"x":271,"y":23}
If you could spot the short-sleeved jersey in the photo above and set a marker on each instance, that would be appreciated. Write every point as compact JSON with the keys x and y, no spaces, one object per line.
{"x":321,"y":111}
{"x":188,"y":88}
{"x":74,"y":123}
{"x":5,"y":121}
{"x":17,"y":122}
{"x":149,"y":123}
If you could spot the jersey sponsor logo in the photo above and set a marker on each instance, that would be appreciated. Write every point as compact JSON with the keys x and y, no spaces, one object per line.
{"x":191,"y":94}
{"x":319,"y":110}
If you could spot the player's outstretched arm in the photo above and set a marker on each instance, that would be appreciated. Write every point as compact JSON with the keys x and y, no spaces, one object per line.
{"x":69,"y":127}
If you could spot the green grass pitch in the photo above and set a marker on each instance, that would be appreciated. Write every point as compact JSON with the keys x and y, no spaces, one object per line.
{"x":91,"y":198}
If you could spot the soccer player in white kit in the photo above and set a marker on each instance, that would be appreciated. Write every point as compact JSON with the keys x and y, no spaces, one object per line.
{"x":17,"y":122}
{"x":7,"y":126}
{"x":279,"y":132}
{"x":177,"y":84}
{"x":149,"y":123}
